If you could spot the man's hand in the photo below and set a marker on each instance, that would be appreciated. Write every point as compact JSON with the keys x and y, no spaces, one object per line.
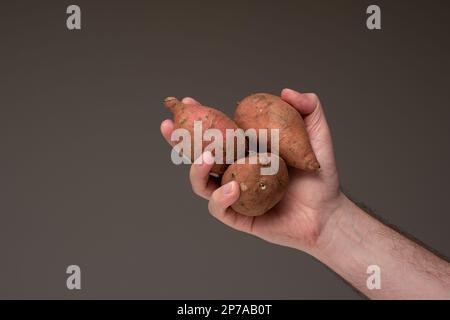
{"x":316,"y":217}
{"x":311,"y":199}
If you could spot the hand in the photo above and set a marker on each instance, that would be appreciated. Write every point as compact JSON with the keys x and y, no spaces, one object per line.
{"x":310,"y":201}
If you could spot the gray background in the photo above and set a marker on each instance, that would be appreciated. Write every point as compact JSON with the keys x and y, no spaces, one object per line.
{"x":86,"y":179}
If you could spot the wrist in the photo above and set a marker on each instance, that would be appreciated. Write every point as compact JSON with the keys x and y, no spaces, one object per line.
{"x":347,"y":242}
{"x":335,"y":227}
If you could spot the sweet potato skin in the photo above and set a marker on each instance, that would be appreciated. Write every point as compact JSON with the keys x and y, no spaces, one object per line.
{"x":266,"y":111}
{"x":258,"y":193}
{"x":184,"y":116}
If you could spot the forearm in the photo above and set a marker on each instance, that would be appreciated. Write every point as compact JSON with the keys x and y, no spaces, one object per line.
{"x":353,"y":240}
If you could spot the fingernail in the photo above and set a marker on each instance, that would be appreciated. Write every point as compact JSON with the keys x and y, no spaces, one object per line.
{"x":188,"y":100}
{"x":228,"y":188}
{"x":208,"y":157}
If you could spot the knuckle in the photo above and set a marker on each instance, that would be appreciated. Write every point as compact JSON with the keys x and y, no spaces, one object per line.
{"x":196,"y":190}
{"x":194,"y":173}
{"x":214,"y":201}
{"x":197,"y":187}
{"x":211,"y":206}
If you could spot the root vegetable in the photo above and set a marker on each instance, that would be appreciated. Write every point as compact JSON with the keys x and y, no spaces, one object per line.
{"x":258,"y":193}
{"x":184,"y":116}
{"x":266,"y":111}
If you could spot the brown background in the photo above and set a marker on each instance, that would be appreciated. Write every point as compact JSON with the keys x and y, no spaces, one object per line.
{"x":86,"y":179}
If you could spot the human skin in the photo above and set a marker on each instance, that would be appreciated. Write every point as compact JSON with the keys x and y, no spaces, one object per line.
{"x":316,"y":217}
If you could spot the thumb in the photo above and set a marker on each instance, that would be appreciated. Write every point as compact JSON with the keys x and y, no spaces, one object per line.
{"x":309,"y":106}
{"x":305,"y":103}
{"x":219,"y":206}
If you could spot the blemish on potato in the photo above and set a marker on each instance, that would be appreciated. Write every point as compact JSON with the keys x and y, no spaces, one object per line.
{"x":262,"y":186}
{"x":243,"y":186}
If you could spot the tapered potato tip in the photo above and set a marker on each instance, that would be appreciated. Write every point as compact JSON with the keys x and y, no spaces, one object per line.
{"x":312,"y":164}
{"x":171,"y":103}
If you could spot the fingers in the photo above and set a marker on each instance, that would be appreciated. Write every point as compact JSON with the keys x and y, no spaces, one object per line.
{"x":308,"y":104}
{"x":220,"y":199}
{"x":166,"y":130}
{"x":201,"y":183}
{"x":219,"y":207}
{"x":305,"y":103}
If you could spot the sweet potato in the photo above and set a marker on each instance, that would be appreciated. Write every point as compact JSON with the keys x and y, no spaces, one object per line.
{"x":258,"y":193}
{"x":184,"y":116}
{"x":266,"y":111}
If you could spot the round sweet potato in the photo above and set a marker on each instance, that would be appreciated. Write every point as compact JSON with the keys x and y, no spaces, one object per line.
{"x":258,"y":193}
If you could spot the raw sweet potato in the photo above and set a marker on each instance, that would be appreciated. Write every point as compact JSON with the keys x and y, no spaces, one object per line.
{"x":266,"y":111}
{"x":184,"y":116}
{"x":258,"y":193}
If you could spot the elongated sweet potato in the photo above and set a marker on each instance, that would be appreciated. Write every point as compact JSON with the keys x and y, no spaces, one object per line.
{"x":266,"y":111}
{"x":184,"y":116}
{"x":258,"y":193}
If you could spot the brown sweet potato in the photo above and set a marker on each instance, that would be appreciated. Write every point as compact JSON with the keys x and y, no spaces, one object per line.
{"x":184,"y":116}
{"x":258,"y":193}
{"x":266,"y":111}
